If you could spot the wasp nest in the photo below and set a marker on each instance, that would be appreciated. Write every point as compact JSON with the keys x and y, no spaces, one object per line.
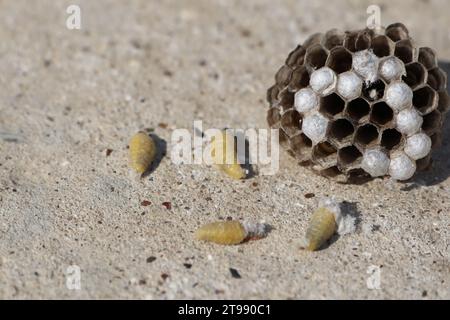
{"x":360,"y":104}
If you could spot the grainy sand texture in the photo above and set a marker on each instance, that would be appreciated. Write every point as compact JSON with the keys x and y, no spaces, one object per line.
{"x":71,"y":99}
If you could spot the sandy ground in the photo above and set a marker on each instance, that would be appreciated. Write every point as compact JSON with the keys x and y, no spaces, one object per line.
{"x":67,"y":96}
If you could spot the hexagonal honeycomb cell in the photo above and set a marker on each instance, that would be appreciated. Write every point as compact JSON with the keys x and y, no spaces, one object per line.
{"x":299,"y":79}
{"x":427,"y":58}
{"x":358,"y":109}
{"x":349,"y":155}
{"x":286,"y":99}
{"x":357,"y":41}
{"x":331,"y":172}
{"x":373,"y":91}
{"x":331,"y":105}
{"x":283,"y":76}
{"x":431,"y":122}
{"x":296,"y":57}
{"x":381,"y":114}
{"x":425,"y":99}
{"x":273,"y":117}
{"x":397,"y":32}
{"x":382,"y":46}
{"x":390,"y":139}
{"x":437,"y":79}
{"x":366,"y":135}
{"x":324,"y":153}
{"x":341,"y":131}
{"x":316,"y":56}
{"x":312,"y":40}
{"x":351,"y":104}
{"x":404,"y":50}
{"x":391,"y":68}
{"x":416,"y":74}
{"x":291,"y":122}
{"x":272,"y":94}
{"x":339,"y":60}
{"x":443,"y":101}
{"x":333,"y":38}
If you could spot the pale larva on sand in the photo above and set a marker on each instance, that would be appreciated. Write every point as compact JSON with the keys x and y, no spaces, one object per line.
{"x":231,"y":232}
{"x":224,"y":155}
{"x":325,"y":222}
{"x":142,"y":152}
{"x":321,"y":227}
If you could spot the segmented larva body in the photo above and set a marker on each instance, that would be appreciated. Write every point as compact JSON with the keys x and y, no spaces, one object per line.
{"x":230,"y":232}
{"x":222,"y":232}
{"x":224,"y":155}
{"x":325,"y":221}
{"x":142,"y":152}
{"x":321,"y":228}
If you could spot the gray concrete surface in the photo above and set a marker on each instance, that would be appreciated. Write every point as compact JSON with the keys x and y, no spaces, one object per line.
{"x":66,"y":96}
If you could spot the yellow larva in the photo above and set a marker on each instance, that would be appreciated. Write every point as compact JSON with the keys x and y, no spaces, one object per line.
{"x":325,"y":221}
{"x":321,"y":228}
{"x":222,"y":232}
{"x":231,"y":232}
{"x":142,"y":152}
{"x":224,"y":155}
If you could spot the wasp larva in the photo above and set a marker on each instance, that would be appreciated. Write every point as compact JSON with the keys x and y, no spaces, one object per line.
{"x":231,"y":232}
{"x":325,"y":221}
{"x":142,"y":152}
{"x":224,"y":155}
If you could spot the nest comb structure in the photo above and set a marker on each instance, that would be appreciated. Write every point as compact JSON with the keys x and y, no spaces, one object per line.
{"x":360,"y":104}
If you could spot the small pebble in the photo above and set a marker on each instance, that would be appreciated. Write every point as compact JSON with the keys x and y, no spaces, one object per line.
{"x":145,"y":203}
{"x":235,"y":274}
{"x":164,"y":276}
